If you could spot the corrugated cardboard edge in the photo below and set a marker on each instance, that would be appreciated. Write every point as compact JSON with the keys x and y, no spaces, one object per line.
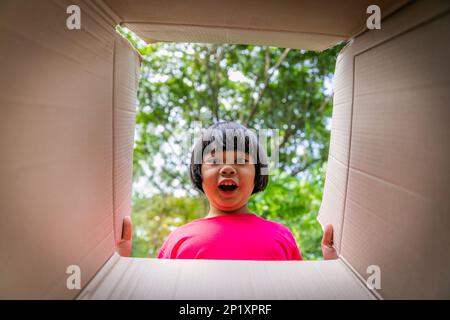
{"x":121,"y":191}
{"x":335,"y":190}
{"x":200,"y":34}
{"x":125,"y":85}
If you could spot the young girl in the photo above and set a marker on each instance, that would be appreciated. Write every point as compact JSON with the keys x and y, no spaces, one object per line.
{"x":229,"y":165}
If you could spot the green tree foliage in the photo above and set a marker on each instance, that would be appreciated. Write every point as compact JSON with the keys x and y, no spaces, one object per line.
{"x":294,"y":202}
{"x":259,"y":87}
{"x":155,"y":217}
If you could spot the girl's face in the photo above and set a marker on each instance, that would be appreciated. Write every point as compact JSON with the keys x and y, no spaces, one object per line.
{"x":228,"y":186}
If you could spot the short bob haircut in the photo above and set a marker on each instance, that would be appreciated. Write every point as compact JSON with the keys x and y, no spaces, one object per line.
{"x":227,"y":135}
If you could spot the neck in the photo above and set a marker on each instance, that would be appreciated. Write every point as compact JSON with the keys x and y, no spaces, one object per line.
{"x":214,"y":212}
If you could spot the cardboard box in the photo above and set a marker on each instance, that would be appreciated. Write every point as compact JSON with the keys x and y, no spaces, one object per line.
{"x":67,"y":103}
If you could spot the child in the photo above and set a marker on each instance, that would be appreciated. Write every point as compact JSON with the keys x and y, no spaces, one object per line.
{"x":228,"y":165}
{"x":229,"y":230}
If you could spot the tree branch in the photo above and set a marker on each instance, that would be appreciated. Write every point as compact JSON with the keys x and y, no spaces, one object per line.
{"x":290,"y":131}
{"x":287,"y":135}
{"x":214,"y":95}
{"x":323,"y":105}
{"x":268,"y":75}
{"x":304,"y":167}
{"x":219,"y":55}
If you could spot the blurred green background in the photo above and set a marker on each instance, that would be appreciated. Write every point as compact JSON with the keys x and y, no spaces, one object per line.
{"x":259,"y":87}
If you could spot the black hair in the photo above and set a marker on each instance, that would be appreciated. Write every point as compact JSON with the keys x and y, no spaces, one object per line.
{"x":230,"y":136}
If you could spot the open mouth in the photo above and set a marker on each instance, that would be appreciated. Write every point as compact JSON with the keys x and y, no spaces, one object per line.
{"x":228,"y":186}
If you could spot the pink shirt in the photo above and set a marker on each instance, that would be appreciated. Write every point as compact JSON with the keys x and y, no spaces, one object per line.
{"x":239,"y":236}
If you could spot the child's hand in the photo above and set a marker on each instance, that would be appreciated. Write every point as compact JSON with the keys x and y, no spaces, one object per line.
{"x":124,"y":246}
{"x":328,"y":251}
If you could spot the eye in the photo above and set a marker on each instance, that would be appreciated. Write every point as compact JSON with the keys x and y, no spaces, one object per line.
{"x":242,"y":161}
{"x":212,"y":161}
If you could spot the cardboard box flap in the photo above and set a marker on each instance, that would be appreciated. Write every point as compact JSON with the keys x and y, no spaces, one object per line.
{"x":314,"y":25}
{"x":137,"y":278}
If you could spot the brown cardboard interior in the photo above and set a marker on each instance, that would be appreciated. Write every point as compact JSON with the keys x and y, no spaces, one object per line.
{"x":66,"y":127}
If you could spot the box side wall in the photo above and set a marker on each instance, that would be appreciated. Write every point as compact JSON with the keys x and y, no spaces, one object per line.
{"x":397,"y":209}
{"x":333,"y":200}
{"x":126,"y":78}
{"x":56,"y":172}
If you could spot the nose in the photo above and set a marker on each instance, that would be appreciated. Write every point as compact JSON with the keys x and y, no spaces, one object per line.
{"x":227,"y":170}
